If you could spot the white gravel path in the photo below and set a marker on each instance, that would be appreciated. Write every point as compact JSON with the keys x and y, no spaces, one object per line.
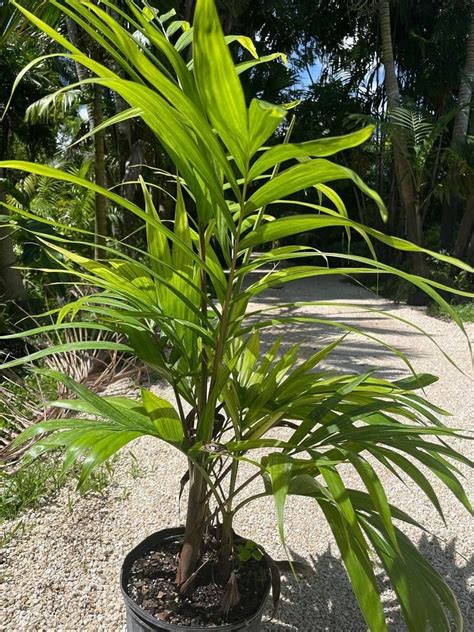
{"x":61,"y":573}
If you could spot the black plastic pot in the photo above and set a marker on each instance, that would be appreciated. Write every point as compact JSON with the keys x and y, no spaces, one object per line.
{"x":138,"y":620}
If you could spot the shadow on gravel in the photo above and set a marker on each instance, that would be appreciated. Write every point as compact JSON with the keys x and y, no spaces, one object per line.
{"x":325,"y":601}
{"x":358,"y":352}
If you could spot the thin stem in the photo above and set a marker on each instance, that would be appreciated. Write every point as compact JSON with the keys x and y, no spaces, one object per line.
{"x":204,"y":303}
{"x":222,"y":476}
{"x":244,"y":485}
{"x":220,"y":501}
{"x":262,"y":210}
{"x":247,"y":501}
{"x":233,"y":480}
{"x":181,"y":412}
{"x":226,"y":308}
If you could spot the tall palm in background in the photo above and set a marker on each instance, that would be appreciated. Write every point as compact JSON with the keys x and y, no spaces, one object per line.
{"x":459,"y":144}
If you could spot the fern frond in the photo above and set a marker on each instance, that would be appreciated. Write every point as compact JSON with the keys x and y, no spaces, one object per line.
{"x":53,"y":105}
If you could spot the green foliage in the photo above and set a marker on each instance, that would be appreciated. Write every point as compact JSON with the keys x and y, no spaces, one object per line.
{"x":29,"y":487}
{"x":183,"y":308}
{"x":56,"y":201}
{"x":36,"y":196}
{"x":465,"y":311}
{"x":249,"y":551}
{"x":19,"y":400}
{"x":26,"y":141}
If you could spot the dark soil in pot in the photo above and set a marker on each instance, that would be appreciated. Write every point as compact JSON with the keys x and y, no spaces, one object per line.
{"x":149,"y":581}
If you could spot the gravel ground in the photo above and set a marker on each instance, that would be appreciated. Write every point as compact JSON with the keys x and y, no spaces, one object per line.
{"x":60,"y":572}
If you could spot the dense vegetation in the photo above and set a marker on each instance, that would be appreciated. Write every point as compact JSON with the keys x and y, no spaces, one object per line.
{"x":406,"y":66}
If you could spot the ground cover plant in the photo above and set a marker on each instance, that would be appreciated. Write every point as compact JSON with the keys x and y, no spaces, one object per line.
{"x":184,"y":308}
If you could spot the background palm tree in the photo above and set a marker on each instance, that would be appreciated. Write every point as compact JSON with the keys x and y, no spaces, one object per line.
{"x":459,"y":138}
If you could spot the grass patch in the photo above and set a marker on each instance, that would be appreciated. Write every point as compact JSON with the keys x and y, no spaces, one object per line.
{"x":39,"y":481}
{"x":28,"y":486}
{"x":465,"y":312}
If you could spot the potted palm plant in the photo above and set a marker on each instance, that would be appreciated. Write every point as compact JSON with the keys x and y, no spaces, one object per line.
{"x":242,"y":410}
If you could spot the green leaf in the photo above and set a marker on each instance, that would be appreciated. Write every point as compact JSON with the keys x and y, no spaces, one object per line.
{"x":149,"y":14}
{"x":279,"y":467}
{"x":57,"y":174}
{"x":116,"y":422}
{"x":409,"y":469}
{"x":287,"y":226}
{"x":245,"y":42}
{"x":177,"y":25}
{"x":164,"y":417}
{"x":305,"y":175}
{"x":317,"y":415}
{"x":126,"y":115}
{"x":218,"y":83}
{"x":89,"y":345}
{"x":341,"y":517}
{"x":376,"y":493}
{"x":423,"y":594}
{"x":285,"y":320}
{"x":164,"y":17}
{"x":157,"y":242}
{"x":313,"y":148}
{"x":264,"y":118}
{"x":265,"y":59}
{"x":440,"y":468}
{"x":249,"y":359}
{"x":102,"y":449}
{"x":361,"y":501}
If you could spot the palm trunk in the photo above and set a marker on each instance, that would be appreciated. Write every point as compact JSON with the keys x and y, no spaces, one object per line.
{"x":11,"y":281}
{"x":188,"y":9}
{"x":100,"y":177}
{"x":461,"y":122}
{"x":123,"y":134}
{"x":194,"y":529}
{"x":405,"y":183}
{"x":94,"y":110}
{"x":470,"y":250}
{"x":466,"y":230}
{"x":460,"y":131}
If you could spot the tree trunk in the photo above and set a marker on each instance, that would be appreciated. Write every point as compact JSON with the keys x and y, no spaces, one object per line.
{"x":94,"y":110}
{"x":470,"y":251}
{"x":124,"y":135}
{"x":74,"y":34}
{"x":461,"y":122}
{"x":406,"y":185}
{"x":195,"y":518}
{"x":466,"y":229}
{"x":11,"y":282}
{"x":188,"y":10}
{"x":100,"y":177}
{"x":460,"y":131}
